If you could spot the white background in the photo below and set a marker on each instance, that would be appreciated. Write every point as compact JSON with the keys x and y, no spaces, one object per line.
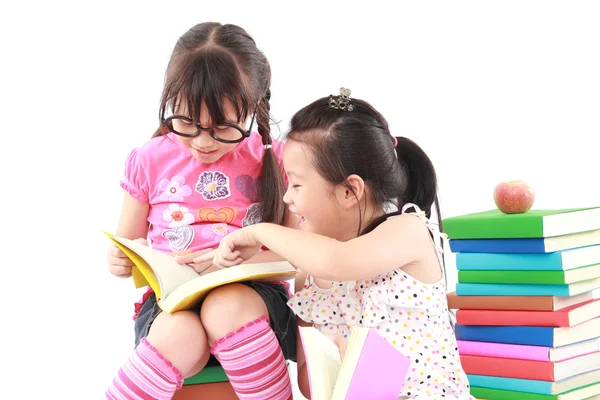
{"x":491,"y":90}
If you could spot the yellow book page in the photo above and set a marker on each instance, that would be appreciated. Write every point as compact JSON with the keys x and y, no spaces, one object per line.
{"x":141,"y":272}
{"x":358,"y":335}
{"x":192,"y":292}
{"x":323,"y":362}
{"x":160,"y":270}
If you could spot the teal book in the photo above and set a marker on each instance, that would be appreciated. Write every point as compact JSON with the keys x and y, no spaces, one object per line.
{"x":506,"y":289}
{"x":494,"y":224}
{"x":556,"y":261}
{"x":535,"y":386}
{"x":585,"y":392}
{"x":531,"y":277}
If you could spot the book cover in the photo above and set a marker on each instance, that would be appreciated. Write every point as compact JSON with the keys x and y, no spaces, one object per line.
{"x":569,"y":316}
{"x":494,"y":224}
{"x":528,"y":369}
{"x":530,"y":335}
{"x":530,"y":277}
{"x":533,"y":303}
{"x":507,"y":289}
{"x":179,"y":287}
{"x":535,"y":386}
{"x":210,"y":374}
{"x":371,"y":368}
{"x":557,"y":261}
{"x":527,"y":246}
{"x":524,"y":352}
{"x":589,"y":392}
{"x":216,"y":390}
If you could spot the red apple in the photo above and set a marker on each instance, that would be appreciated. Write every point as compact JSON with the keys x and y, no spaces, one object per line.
{"x":513,"y":197}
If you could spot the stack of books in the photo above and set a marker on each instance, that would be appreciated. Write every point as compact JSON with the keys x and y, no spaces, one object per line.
{"x":528,"y":322}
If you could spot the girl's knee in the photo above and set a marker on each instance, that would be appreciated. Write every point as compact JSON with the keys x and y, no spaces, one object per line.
{"x":180,"y":338}
{"x":228,"y":308}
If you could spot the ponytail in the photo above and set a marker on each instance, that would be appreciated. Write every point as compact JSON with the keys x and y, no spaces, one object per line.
{"x":270,"y":181}
{"x":421,"y":181}
{"x":421,"y":186}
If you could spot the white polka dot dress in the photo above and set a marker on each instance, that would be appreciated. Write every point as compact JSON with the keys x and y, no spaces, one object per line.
{"x":411,"y":315}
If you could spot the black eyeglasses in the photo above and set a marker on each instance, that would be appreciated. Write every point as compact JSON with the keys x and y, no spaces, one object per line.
{"x":225,"y":132}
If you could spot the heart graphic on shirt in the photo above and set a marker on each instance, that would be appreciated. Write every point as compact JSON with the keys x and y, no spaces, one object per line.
{"x":179,"y":238}
{"x":247,"y":186}
{"x":222,"y":215}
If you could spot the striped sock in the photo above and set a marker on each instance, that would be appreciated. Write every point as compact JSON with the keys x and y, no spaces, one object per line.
{"x":145,"y":376}
{"x":254,"y":362}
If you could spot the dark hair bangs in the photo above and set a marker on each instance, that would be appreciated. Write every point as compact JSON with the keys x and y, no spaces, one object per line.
{"x":209,"y":78}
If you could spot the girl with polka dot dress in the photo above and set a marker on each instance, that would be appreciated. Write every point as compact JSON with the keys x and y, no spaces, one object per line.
{"x":366,"y":250}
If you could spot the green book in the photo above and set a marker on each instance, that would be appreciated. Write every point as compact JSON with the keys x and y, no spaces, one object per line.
{"x":494,"y":224}
{"x":210,"y":374}
{"x":583,"y":392}
{"x":532,"y":277}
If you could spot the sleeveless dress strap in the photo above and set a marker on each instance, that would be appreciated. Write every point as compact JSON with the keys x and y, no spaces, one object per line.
{"x":438,"y":237}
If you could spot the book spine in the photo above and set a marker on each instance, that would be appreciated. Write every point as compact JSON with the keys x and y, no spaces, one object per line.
{"x":495,"y":227}
{"x":508,"y":246}
{"x":503,"y":289}
{"x":497,"y":394}
{"x":531,"y":303}
{"x":526,"y":335}
{"x":513,"y":277}
{"x":513,"y":318}
{"x":502,"y":350}
{"x":508,"y":368}
{"x":509,"y":262}
{"x":511,"y":384}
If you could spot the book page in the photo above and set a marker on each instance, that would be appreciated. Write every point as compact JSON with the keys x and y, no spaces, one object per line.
{"x":161,"y":270}
{"x":323,"y":362}
{"x":358,"y":335}
{"x":191,"y":292}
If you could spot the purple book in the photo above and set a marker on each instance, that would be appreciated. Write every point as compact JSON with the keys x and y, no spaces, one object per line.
{"x":372,"y":367}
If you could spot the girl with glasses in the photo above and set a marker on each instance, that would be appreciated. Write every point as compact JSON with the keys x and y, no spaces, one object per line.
{"x":204,"y":174}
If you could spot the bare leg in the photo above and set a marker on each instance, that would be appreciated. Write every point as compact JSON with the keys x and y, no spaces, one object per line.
{"x":235,"y":318}
{"x":176,"y":348}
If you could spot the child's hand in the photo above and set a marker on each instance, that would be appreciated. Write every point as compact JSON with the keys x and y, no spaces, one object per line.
{"x":340,"y":342}
{"x":201,"y":261}
{"x":118,"y":263}
{"x":235,"y":248}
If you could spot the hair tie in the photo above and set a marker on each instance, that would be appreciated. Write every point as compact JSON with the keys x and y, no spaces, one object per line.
{"x":395,"y":141}
{"x":267,"y":146}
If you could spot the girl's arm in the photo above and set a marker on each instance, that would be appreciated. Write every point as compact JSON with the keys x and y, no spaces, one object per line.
{"x":291,"y":221}
{"x":133,"y":224}
{"x":397,"y":242}
{"x":303,"y":384}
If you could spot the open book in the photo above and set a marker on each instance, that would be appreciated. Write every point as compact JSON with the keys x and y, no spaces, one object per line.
{"x":179,"y":287}
{"x":372,"y":368}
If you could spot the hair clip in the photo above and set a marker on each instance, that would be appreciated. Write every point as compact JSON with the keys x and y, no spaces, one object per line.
{"x":341,"y":102}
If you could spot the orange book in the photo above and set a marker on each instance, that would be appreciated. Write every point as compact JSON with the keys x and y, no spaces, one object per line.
{"x":525,"y":303}
{"x":206,"y":391}
{"x":569,"y":316}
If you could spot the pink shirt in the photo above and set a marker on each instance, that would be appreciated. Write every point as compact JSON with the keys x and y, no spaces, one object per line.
{"x":193,"y":205}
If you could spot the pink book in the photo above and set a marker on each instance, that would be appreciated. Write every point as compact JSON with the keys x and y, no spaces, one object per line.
{"x":523,"y":352}
{"x":372,"y":368}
